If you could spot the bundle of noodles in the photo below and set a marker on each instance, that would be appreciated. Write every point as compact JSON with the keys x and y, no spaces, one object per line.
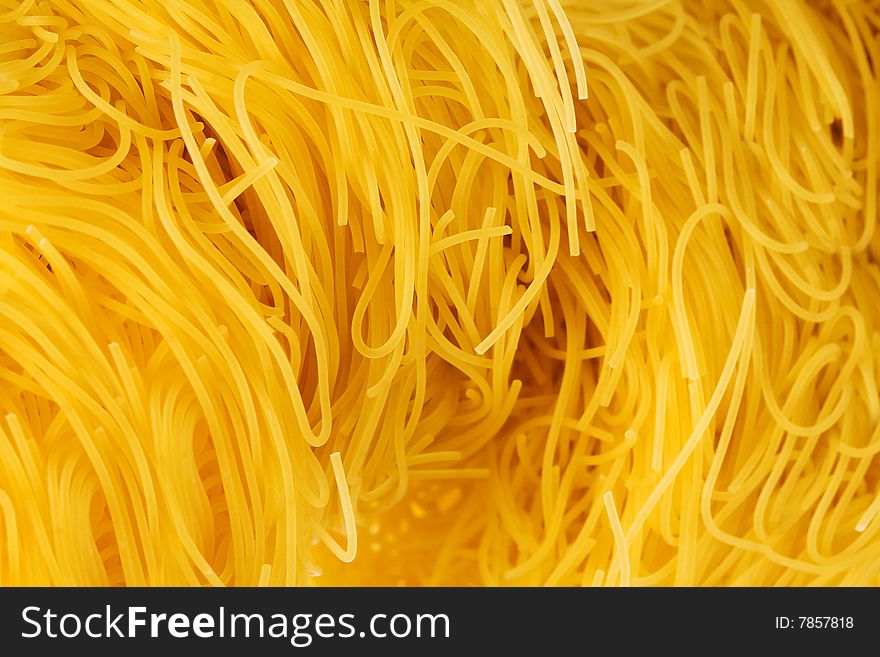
{"x":381,"y":291}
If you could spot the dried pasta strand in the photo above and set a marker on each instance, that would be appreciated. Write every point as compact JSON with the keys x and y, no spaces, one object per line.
{"x":509,"y":292}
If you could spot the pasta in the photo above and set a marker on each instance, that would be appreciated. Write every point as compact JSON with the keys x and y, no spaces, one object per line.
{"x":420,"y":292}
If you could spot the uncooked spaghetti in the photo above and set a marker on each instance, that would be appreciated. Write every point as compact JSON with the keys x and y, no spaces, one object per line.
{"x":515,"y":292}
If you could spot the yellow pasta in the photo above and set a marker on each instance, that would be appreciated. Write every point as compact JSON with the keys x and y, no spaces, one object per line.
{"x":420,"y":292}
